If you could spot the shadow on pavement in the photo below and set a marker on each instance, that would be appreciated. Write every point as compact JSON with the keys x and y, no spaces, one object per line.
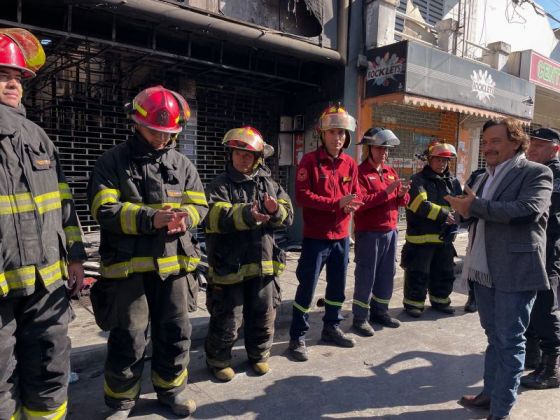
{"x":411,"y":379}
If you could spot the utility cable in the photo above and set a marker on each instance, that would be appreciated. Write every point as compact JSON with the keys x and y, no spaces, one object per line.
{"x":538,"y":9}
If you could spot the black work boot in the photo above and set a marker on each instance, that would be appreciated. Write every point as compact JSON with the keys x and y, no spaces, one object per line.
{"x":532,"y":353}
{"x":414,"y":312}
{"x":298,"y":350}
{"x":444,"y":309}
{"x":384,"y":319}
{"x":333,"y":334}
{"x":363,"y":328}
{"x":471,"y":305}
{"x":179,"y":404}
{"x":546,"y":376}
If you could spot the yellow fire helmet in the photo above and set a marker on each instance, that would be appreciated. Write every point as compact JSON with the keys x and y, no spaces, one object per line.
{"x":440,"y":149}
{"x":249,"y":139}
{"x":337,"y":117}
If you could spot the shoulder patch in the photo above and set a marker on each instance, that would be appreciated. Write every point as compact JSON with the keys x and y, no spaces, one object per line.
{"x":556,"y":185}
{"x":302,"y":174}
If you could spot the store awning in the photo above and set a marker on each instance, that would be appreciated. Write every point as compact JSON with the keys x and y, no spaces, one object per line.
{"x":402,"y":98}
{"x":414,"y":69}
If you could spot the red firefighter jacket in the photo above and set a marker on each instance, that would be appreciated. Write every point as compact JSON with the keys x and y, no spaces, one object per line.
{"x":380,"y":211}
{"x":320,"y":184}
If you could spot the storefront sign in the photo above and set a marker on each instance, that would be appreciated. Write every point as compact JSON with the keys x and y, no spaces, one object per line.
{"x":544,"y":72}
{"x":424,"y":71}
{"x":386,"y":70}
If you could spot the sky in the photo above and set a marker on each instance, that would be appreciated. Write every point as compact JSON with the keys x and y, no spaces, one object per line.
{"x":552,"y":7}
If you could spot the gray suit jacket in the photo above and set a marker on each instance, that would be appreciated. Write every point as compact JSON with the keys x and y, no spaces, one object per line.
{"x":516,"y":227}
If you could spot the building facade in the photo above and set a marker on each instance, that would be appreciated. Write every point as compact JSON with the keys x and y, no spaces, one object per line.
{"x":236,"y":62}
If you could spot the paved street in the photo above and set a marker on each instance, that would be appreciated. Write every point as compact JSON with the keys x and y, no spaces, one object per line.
{"x":415,"y":372}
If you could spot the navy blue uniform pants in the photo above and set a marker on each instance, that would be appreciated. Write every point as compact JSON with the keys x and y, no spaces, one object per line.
{"x":374,"y":273}
{"x":315,"y":254}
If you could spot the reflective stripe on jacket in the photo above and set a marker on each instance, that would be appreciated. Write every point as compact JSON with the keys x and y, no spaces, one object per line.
{"x":427,"y":211}
{"x":239,"y":248}
{"x":39,"y":229}
{"x":129,"y":184}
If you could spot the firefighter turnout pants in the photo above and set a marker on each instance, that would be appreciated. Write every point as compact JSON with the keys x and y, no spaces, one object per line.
{"x":252,"y":302}
{"x":545,"y":321}
{"x":127,"y":307}
{"x":34,"y":334}
{"x":315,"y":254}
{"x":375,"y":270}
{"x":427,"y":268}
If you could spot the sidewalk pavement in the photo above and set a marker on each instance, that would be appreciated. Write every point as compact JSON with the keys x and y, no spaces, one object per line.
{"x":89,"y":342}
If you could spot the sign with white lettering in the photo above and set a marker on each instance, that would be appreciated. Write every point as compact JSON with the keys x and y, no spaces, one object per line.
{"x":386,"y":70}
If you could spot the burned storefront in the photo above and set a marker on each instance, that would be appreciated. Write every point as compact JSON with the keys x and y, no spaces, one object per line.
{"x":237,"y":63}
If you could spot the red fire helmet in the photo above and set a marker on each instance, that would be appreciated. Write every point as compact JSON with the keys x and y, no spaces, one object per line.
{"x":21,"y":50}
{"x":160,"y":109}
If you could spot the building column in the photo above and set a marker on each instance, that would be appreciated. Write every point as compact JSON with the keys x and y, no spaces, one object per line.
{"x":380,"y":22}
{"x":447,"y":34}
{"x":497,"y":57}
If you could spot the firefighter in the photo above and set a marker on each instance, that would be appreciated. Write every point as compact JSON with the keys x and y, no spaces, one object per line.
{"x":41,"y":248}
{"x":147,"y":197}
{"x":543,"y":333}
{"x":327,"y":189}
{"x":376,"y":232}
{"x":427,"y":255}
{"x":246,"y":207}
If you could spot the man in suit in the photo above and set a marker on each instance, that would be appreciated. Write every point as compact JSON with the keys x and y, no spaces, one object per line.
{"x":508,"y":209}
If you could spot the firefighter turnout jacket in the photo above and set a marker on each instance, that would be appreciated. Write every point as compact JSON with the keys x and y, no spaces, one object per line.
{"x":129,"y":184}
{"x":39,"y":230}
{"x":320,"y":184}
{"x":238,"y":247}
{"x":427,"y":210}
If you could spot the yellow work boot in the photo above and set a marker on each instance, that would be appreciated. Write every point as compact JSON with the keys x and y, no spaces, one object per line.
{"x":225,"y":374}
{"x":179,"y":404}
{"x":260,"y":368}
